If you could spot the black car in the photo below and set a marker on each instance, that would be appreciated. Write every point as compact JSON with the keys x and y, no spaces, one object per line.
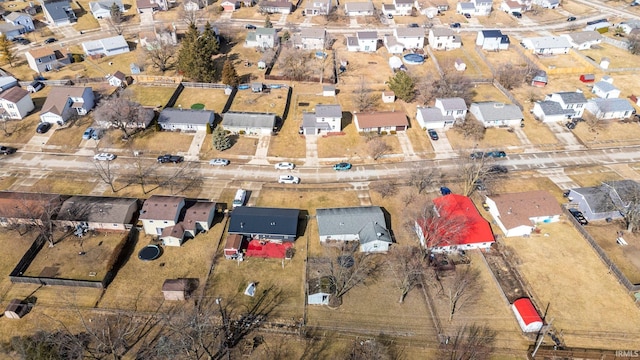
{"x":50,"y":40}
{"x":517,"y":14}
{"x":43,"y":127}
{"x":455,"y":25}
{"x":572,"y":18}
{"x":413,"y":25}
{"x":433,"y":134}
{"x":570,"y":125}
{"x":168,"y":158}
{"x":577,"y":214}
{"x":468,"y":16}
{"x":21,"y":40}
{"x":479,"y":185}
{"x":250,"y":27}
{"x":6,"y":150}
{"x":498,"y":169}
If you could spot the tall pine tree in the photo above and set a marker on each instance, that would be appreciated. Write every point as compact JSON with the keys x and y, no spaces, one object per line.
{"x":195,"y":58}
{"x":229,"y":74}
{"x":187,"y":63}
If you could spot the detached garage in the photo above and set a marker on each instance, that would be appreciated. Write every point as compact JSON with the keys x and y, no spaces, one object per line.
{"x":527,"y":315}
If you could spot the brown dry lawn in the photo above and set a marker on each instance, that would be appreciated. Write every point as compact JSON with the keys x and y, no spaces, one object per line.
{"x":488,"y":92}
{"x":559,"y":61}
{"x":161,"y":142}
{"x":372,"y":66}
{"x":352,"y":146}
{"x":86,"y":21}
{"x":587,"y":303}
{"x":476,"y":67}
{"x":241,"y":146}
{"x":154,"y":96}
{"x":14,"y":245}
{"x":593,"y":176}
{"x":494,"y":138}
{"x":20,"y":131}
{"x":65,"y":183}
{"x":613,"y":131}
{"x":626,"y":258}
{"x":69,"y":137}
{"x":317,"y":65}
{"x":212,"y":99}
{"x":272,"y":102}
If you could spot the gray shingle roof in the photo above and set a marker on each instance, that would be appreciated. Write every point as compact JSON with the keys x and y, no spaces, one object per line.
{"x":186,"y":116}
{"x":245,"y":119}
{"x":612,"y":105}
{"x":441,"y":32}
{"x":367,"y":35}
{"x":259,"y":220}
{"x":431,"y":115}
{"x":366,"y":221}
{"x":449,"y":104}
{"x":604,"y":86}
{"x":328,"y":110}
{"x":553,"y":108}
{"x":549,"y":42}
{"x":314,"y":33}
{"x":57,"y":9}
{"x":494,"y":111}
{"x":572,"y":97}
{"x":409,"y":32}
{"x":97,"y":209}
{"x":359,"y":6}
{"x":585,"y":36}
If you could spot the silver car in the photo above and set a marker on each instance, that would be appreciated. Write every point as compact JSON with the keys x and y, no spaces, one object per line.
{"x":219,"y":162}
{"x":288,"y":179}
{"x":285,"y":166}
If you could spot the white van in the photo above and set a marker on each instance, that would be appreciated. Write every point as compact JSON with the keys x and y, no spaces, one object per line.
{"x":240,"y":198}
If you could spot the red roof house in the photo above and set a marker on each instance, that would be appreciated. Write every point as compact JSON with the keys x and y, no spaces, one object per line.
{"x":527,"y":315}
{"x":456,"y":225}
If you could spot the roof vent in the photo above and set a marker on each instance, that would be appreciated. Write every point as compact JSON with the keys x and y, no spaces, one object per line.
{"x":498,"y":105}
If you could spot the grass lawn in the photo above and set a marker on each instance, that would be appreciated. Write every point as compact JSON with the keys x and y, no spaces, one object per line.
{"x":626,"y":258}
{"x":476,"y":67}
{"x":241,"y":146}
{"x":14,"y":246}
{"x":154,"y":96}
{"x":587,"y":303}
{"x":613,"y":131}
{"x":212,"y":99}
{"x":488,"y":92}
{"x":593,"y":176}
{"x":372,"y":66}
{"x":64,"y":183}
{"x":161,"y":142}
{"x":272,"y":102}
{"x":86,"y":21}
{"x":69,"y":137}
{"x":494,"y":138}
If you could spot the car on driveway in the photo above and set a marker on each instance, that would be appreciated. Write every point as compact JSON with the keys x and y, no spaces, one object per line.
{"x":455,"y":25}
{"x":570,"y":125}
{"x":219,"y":162}
{"x":433,"y":134}
{"x":288,"y":179}
{"x":168,"y":158}
{"x":517,"y":14}
{"x":87,"y":134}
{"x":577,"y":214}
{"x":50,"y":40}
{"x":43,"y":127}
{"x":342,"y":166}
{"x":7,"y":150}
{"x":468,"y":16}
{"x":104,"y":157}
{"x":250,"y":27}
{"x":21,"y":40}
{"x":413,"y":25}
{"x":477,"y":155}
{"x":496,"y":154}
{"x":572,"y":18}
{"x":285,"y":166}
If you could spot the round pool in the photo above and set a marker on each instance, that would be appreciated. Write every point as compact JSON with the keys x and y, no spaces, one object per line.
{"x":414,"y":59}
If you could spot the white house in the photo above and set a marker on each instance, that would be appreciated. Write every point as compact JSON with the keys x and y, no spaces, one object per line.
{"x":432,"y":118}
{"x":475,"y":7}
{"x":410,"y":38}
{"x":517,"y":214}
{"x":192,"y":5}
{"x":403,"y":7}
{"x":20,"y":18}
{"x":365,"y":8}
{"x":605,"y":90}
{"x":276,"y":6}
{"x":583,"y":40}
{"x":453,"y":107}
{"x":365,"y":224}
{"x":570,"y":100}
{"x":159,"y":212}
{"x":628,"y":26}
{"x":612,"y":108}
{"x":549,"y":111}
{"x":265,"y":38}
{"x":313,"y":38}
{"x":392,"y":44}
{"x":187,"y":120}
{"x":106,"y":47}
{"x":317,"y":7}
{"x":15,"y":103}
{"x":102,"y":9}
{"x":366,"y":41}
{"x":443,"y":39}
{"x":325,"y":119}
{"x":249,"y":123}
{"x":65,"y":101}
{"x":510,"y":6}
{"x":58,"y":13}
{"x":492,"y":40}
{"x":491,"y":113}
{"x":547,"y":45}
{"x":149,"y":6}
{"x":548,"y":4}
{"x":11,"y":31}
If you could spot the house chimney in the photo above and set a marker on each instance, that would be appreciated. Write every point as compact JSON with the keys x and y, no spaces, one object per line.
{"x":509,"y":212}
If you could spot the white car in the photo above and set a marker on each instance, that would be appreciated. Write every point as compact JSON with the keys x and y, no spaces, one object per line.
{"x":285,"y":166}
{"x":288,"y":179}
{"x":219,"y":162}
{"x":104,"y":157}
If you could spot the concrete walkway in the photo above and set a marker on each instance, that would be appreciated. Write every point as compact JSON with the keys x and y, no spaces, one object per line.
{"x":260,"y":157}
{"x":311,"y":158}
{"x":193,"y":154}
{"x":565,"y":136}
{"x":524,"y":140}
{"x":407,"y":148}
{"x":559,"y":178}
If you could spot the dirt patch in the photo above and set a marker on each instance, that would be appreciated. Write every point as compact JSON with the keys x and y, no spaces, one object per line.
{"x":627,"y":258}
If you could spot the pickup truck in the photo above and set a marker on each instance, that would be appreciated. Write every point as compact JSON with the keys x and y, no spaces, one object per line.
{"x":168,"y":158}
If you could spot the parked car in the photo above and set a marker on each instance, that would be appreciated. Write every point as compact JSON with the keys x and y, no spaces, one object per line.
{"x":219,"y":162}
{"x":21,"y":40}
{"x":498,"y":169}
{"x":433,"y":134}
{"x":342,"y":166}
{"x":479,"y":185}
{"x":97,"y":134}
{"x":7,"y":150}
{"x":389,"y":16}
{"x":43,"y":127}
{"x":87,"y":134}
{"x":455,"y":25}
{"x":284,"y":166}
{"x":572,"y":18}
{"x":288,"y":179}
{"x":517,"y":14}
{"x":250,"y":27}
{"x":168,"y":158}
{"x":104,"y":157}
{"x":445,"y":190}
{"x":50,"y":40}
{"x":477,"y":155}
{"x":468,"y":16}
{"x":413,"y":25}
{"x":570,"y":125}
{"x":496,"y":154}
{"x":577,"y":214}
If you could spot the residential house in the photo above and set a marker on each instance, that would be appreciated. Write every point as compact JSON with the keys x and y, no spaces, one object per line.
{"x":199,"y":217}
{"x":318,"y":7}
{"x":118,"y":79}
{"x":549,"y":111}
{"x":267,"y":224}
{"x":570,"y":100}
{"x":612,"y":108}
{"x":465,"y":228}
{"x":98,"y":212}
{"x":432,"y":118}
{"x":192,"y":5}
{"x":583,"y":40}
{"x":547,"y":4}
{"x":149,"y":6}
{"x":610,"y":200}
{"x":312,"y":38}
{"x":492,"y":113}
{"x":320,"y":290}
{"x":249,"y":123}
{"x":403,"y":7}
{"x":492,"y":40}
{"x":186,"y":120}
{"x":511,"y":6}
{"x":475,"y":7}
{"x":65,"y":101}
{"x":365,"y":8}
{"x":28,"y":208}
{"x":276,"y":6}
{"x":410,"y":38}
{"x":388,"y":121}
{"x":364,"y":224}
{"x":605,"y":90}
{"x":15,"y":103}
{"x":547,"y":45}
{"x":452,"y":107}
{"x":628,"y":26}
{"x":102,"y":9}
{"x":366,"y":41}
{"x":106,"y":47}
{"x":230,"y":5}
{"x":602,"y":26}
{"x":392,"y":44}
{"x":35,"y":86}
{"x":444,"y":39}
{"x":441,"y":5}
{"x":47,"y":58}
{"x":159,"y":212}
{"x":265,"y":38}
{"x":517,"y":214}
{"x":11,"y":31}
{"x":466,"y":8}
{"x":20,"y":18}
{"x":328,"y":90}
{"x":325,"y":119}
{"x":58,"y":13}
{"x":7,"y":82}
{"x":173,"y":235}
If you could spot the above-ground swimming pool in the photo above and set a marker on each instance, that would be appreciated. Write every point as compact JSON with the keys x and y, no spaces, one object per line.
{"x":414,"y":59}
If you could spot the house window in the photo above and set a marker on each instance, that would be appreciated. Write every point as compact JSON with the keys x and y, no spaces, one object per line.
{"x":578,"y":106}
{"x":10,"y":106}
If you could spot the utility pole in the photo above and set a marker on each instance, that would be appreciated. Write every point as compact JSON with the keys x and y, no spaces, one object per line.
{"x":539,"y":340}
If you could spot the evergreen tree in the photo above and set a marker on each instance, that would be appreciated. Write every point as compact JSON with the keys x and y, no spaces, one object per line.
{"x":221,"y":141}
{"x":267,"y":22}
{"x":229,"y":74}
{"x":187,"y":64}
{"x":286,"y":36}
{"x":6,"y":51}
{"x":208,"y":46}
{"x":116,"y":14}
{"x":403,"y":86}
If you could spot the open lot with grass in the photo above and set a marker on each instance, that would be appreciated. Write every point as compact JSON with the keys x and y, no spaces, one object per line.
{"x":626,"y":258}
{"x":153,"y":96}
{"x":372,"y":66}
{"x":587,"y":302}
{"x":476,"y":67}
{"x":14,"y":245}
{"x":212,"y":99}
{"x":592,"y":176}
{"x":272,"y":101}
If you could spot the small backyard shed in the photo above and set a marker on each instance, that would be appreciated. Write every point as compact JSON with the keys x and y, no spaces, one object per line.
{"x":16,"y":309}
{"x":233,"y":246}
{"x":587,"y":78}
{"x":388,"y":97}
{"x":175,"y":289}
{"x":319,"y":290}
{"x":527,"y":315}
{"x":328,"y":90}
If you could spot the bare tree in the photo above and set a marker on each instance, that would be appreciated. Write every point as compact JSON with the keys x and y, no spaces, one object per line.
{"x":189,"y":15}
{"x":363,"y":97}
{"x":120,"y":112}
{"x":594,"y":124}
{"x":473,"y":342}
{"x":470,"y":171}
{"x":380,"y":348}
{"x":144,"y":174}
{"x":625,"y":198}
{"x":462,"y":289}
{"x":47,"y":345}
{"x":378,"y":147}
{"x":437,"y":226}
{"x":296,"y":63}
{"x":162,"y":55}
{"x":421,"y":178}
{"x":106,"y":174}
{"x":185,"y":176}
{"x":385,"y":188}
{"x":634,"y":44}
{"x":470,"y":128}
{"x":37,"y":211}
{"x":407,"y":266}
{"x":451,"y":85}
{"x":511,"y":76}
